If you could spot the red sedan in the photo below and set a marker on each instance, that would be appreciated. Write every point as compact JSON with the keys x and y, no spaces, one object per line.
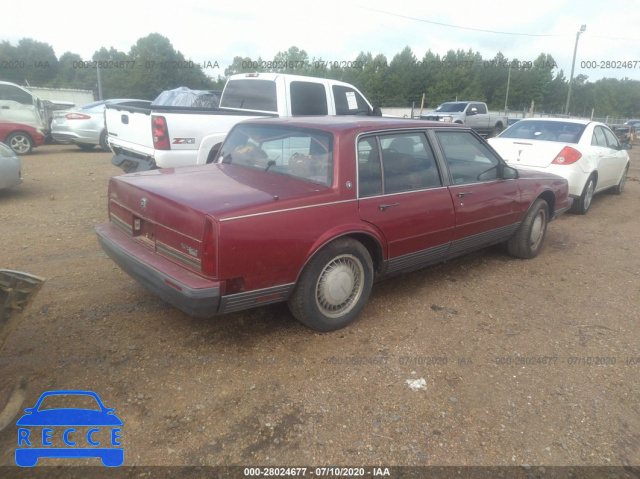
{"x":312,"y":211}
{"x":19,"y":137}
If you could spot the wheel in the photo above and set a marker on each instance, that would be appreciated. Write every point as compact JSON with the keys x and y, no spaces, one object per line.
{"x":213,"y":153}
{"x":20,"y":142}
{"x":497,"y":130}
{"x":85,"y":147}
{"x":334,"y":286}
{"x":104,"y":144}
{"x":527,"y":242}
{"x":582,"y":204}
{"x":619,"y":188}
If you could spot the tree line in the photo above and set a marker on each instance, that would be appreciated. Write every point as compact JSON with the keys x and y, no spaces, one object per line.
{"x":153,"y":65}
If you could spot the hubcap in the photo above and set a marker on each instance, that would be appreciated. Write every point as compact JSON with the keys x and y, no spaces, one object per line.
{"x":340,"y":286}
{"x":537,"y":230}
{"x":588,"y":195}
{"x":19,"y":144}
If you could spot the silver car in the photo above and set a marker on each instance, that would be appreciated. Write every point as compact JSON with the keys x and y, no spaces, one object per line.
{"x":84,"y":126}
{"x":10,"y":169}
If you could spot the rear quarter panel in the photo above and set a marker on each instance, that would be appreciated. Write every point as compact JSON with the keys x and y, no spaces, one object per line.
{"x":535,"y":184}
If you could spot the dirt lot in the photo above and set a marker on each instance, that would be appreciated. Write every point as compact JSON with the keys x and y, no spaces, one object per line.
{"x":524,"y":361}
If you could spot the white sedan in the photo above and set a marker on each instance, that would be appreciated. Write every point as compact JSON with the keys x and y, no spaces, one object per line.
{"x":586,"y":153}
{"x":10,"y":169}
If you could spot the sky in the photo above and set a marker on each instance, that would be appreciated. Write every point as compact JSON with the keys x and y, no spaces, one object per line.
{"x":338,"y":30}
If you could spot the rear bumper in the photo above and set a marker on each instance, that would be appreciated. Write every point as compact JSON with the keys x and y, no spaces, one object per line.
{"x":132,"y":164}
{"x":179,"y":287}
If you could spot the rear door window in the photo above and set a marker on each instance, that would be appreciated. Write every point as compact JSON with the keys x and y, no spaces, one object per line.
{"x":598,"y":138}
{"x":308,"y":98}
{"x":468,"y":158}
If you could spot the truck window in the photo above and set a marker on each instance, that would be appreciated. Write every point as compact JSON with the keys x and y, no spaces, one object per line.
{"x":348,"y":101}
{"x":250,"y":95}
{"x":308,"y":98}
{"x":482,"y":109}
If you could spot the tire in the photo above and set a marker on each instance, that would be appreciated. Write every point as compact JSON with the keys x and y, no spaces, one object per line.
{"x":85,"y":147}
{"x":619,"y":188}
{"x":334,"y":286}
{"x":582,"y":204}
{"x":497,"y":130}
{"x":21,"y":143}
{"x":527,"y":241}
{"x":104,"y":144}
{"x":213,"y":153}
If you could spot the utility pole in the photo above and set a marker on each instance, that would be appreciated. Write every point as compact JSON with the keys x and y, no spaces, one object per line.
{"x":99,"y":84}
{"x":573,"y":64}
{"x":506,"y":98}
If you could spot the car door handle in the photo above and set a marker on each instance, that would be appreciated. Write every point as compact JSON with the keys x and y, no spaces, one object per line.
{"x":464,"y":193}
{"x":384,"y":207}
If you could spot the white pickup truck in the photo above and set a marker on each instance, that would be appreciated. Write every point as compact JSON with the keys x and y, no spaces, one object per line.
{"x":474,"y":114}
{"x":172,"y":136}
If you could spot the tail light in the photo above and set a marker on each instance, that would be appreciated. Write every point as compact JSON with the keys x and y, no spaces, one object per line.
{"x":209,"y":247}
{"x":160,"y":133}
{"x":77,"y":116}
{"x":567,"y":156}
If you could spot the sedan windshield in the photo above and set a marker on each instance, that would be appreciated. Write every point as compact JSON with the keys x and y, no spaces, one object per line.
{"x":300,"y":153}
{"x":560,"y":131}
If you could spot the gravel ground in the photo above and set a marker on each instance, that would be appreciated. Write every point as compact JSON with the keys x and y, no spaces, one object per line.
{"x":484,"y":360}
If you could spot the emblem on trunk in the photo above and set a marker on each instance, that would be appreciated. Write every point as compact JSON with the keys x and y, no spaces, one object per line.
{"x":190,"y":250}
{"x":143,"y":203}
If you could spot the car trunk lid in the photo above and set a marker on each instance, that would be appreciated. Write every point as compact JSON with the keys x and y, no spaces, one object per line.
{"x":534,"y":153}
{"x":167,"y":209}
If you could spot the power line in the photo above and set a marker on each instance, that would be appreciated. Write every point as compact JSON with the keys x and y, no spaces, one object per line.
{"x":459,"y":27}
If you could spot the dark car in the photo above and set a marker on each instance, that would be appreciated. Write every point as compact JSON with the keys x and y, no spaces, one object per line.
{"x":313,"y":210}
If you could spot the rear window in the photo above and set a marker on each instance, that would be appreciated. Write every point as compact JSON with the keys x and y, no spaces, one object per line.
{"x":250,"y":95}
{"x":300,"y":153}
{"x":563,"y":132}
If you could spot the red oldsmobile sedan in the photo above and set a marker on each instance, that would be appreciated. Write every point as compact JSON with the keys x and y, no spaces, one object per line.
{"x":312,"y":211}
{"x":19,"y":137}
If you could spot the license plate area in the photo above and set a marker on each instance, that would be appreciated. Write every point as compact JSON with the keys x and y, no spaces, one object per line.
{"x":143,"y":229}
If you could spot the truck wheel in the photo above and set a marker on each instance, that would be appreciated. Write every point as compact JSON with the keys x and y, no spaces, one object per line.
{"x":497,"y":130}
{"x":213,"y":153}
{"x":104,"y":144}
{"x":334,"y":286}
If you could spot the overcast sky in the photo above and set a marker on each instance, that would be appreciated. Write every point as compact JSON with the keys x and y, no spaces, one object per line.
{"x":204,"y":30}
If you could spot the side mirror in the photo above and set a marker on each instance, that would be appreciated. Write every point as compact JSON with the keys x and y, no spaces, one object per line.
{"x":377,"y":111}
{"x":509,"y":173}
{"x":625,"y":146}
{"x":473,"y":111}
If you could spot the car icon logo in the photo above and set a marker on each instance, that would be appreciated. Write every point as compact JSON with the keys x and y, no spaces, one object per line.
{"x":69,"y":432}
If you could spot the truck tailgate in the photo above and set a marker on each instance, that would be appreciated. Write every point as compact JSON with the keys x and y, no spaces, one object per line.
{"x":129,"y":124}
